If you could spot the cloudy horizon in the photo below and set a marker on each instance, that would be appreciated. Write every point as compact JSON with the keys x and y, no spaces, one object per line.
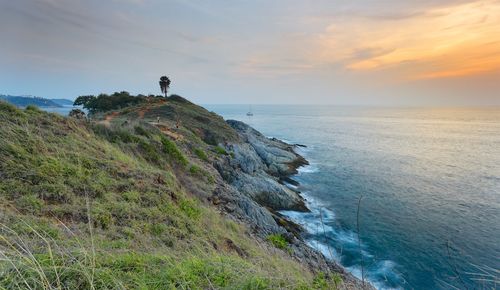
{"x":387,"y":52}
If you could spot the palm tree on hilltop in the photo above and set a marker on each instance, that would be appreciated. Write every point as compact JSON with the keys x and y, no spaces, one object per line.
{"x":164,"y":85}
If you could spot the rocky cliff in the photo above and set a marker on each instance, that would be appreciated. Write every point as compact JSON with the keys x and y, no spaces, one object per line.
{"x":251,"y":178}
{"x":256,"y":173}
{"x":164,"y":192}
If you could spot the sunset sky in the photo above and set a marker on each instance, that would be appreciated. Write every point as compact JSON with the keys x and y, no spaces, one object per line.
{"x":387,"y":52}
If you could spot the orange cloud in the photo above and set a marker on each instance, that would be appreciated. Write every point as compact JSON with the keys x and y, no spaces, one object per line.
{"x":455,"y":41}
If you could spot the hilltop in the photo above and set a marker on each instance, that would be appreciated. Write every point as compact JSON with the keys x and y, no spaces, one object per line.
{"x":161,"y":194}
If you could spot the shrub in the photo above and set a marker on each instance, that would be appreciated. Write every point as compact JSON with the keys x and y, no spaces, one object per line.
{"x":278,"y":241}
{"x":201,"y":154}
{"x":189,"y":207}
{"x":195,"y":170}
{"x":131,"y":196}
{"x":115,"y":135}
{"x":77,"y":114}
{"x":9,"y":108}
{"x":126,"y":137}
{"x":139,"y":130}
{"x":30,"y":203}
{"x":149,"y":151}
{"x":322,"y":282}
{"x":32,"y":108}
{"x":171,"y":149}
{"x":101,"y":217}
{"x":158,"y":229}
{"x":103,"y":102}
{"x":221,"y":151}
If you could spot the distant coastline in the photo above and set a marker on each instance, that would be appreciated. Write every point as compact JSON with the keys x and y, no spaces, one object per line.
{"x":24,"y":101}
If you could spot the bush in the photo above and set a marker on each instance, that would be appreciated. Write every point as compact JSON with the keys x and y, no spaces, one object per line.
{"x":101,"y":217}
{"x":201,"y":154}
{"x":30,"y":203}
{"x":103,"y":102}
{"x":221,"y":151}
{"x":115,"y":135}
{"x":195,"y":169}
{"x":158,"y":229}
{"x":171,"y":149}
{"x":11,"y":110}
{"x":131,"y":196}
{"x":32,"y":108}
{"x":322,"y":282}
{"x":189,"y":207}
{"x":77,"y":114}
{"x":139,"y":130}
{"x":126,"y":137}
{"x":278,"y":241}
{"x":149,"y":151}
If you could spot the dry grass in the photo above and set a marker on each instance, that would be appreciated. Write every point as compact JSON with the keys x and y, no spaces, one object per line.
{"x":84,"y":207}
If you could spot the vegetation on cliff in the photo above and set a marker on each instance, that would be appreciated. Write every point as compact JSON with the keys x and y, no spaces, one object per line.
{"x":119,"y":203}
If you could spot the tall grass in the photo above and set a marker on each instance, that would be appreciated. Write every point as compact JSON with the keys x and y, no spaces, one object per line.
{"x":87,"y":208}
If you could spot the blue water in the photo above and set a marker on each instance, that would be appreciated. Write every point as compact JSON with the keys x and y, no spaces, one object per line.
{"x":430,"y":181}
{"x":64,"y":110}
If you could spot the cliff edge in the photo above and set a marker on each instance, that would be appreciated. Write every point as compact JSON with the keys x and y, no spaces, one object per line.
{"x":160,"y":195}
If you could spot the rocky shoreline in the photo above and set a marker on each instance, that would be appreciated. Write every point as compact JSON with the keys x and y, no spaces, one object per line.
{"x":254,"y":191}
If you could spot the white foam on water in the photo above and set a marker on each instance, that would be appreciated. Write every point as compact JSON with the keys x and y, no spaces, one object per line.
{"x":326,"y":250}
{"x":311,"y":168}
{"x":281,"y":139}
{"x":380,"y":285}
{"x":291,"y":186}
{"x":316,"y":222}
{"x":303,"y":150}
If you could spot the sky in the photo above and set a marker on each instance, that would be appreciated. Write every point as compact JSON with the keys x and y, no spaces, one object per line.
{"x":341,"y":52}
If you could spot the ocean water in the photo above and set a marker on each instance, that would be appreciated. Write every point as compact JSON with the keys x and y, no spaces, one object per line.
{"x":64,"y":110}
{"x":429,"y":179}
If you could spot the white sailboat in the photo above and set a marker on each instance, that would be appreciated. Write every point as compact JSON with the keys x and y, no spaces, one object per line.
{"x":249,"y":114}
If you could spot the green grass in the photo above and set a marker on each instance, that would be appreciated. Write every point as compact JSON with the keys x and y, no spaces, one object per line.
{"x":324,"y":282}
{"x":278,"y":241}
{"x":195,"y":170}
{"x":171,"y":149}
{"x":221,"y":151}
{"x":201,"y":154}
{"x":208,"y":127}
{"x":86,"y":206}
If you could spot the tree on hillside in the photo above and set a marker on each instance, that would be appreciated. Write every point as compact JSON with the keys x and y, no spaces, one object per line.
{"x":84,"y":100}
{"x":164,"y":85}
{"x":104,"y":102}
{"x":77,"y":114}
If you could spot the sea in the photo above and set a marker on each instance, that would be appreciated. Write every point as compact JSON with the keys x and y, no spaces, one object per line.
{"x":405,"y":198}
{"x":63,"y":110}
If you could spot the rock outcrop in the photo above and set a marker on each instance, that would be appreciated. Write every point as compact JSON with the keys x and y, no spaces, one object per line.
{"x":254,"y":191}
{"x":258,"y":165}
{"x":251,"y":173}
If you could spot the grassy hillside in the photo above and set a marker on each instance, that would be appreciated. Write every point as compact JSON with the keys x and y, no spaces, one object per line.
{"x":118,"y":203}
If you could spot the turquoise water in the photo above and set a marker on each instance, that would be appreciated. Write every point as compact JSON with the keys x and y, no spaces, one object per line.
{"x":430,"y":181}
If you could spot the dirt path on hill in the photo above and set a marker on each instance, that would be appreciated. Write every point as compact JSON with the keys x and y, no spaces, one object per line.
{"x":108,"y":118}
{"x":142,"y":112}
{"x":167,"y":131}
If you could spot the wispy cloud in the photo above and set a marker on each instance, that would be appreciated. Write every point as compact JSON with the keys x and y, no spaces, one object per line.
{"x":342,"y":47}
{"x":452,"y":41}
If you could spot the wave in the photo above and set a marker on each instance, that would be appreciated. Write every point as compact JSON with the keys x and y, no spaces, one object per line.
{"x":311,"y":168}
{"x":336,"y":244}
